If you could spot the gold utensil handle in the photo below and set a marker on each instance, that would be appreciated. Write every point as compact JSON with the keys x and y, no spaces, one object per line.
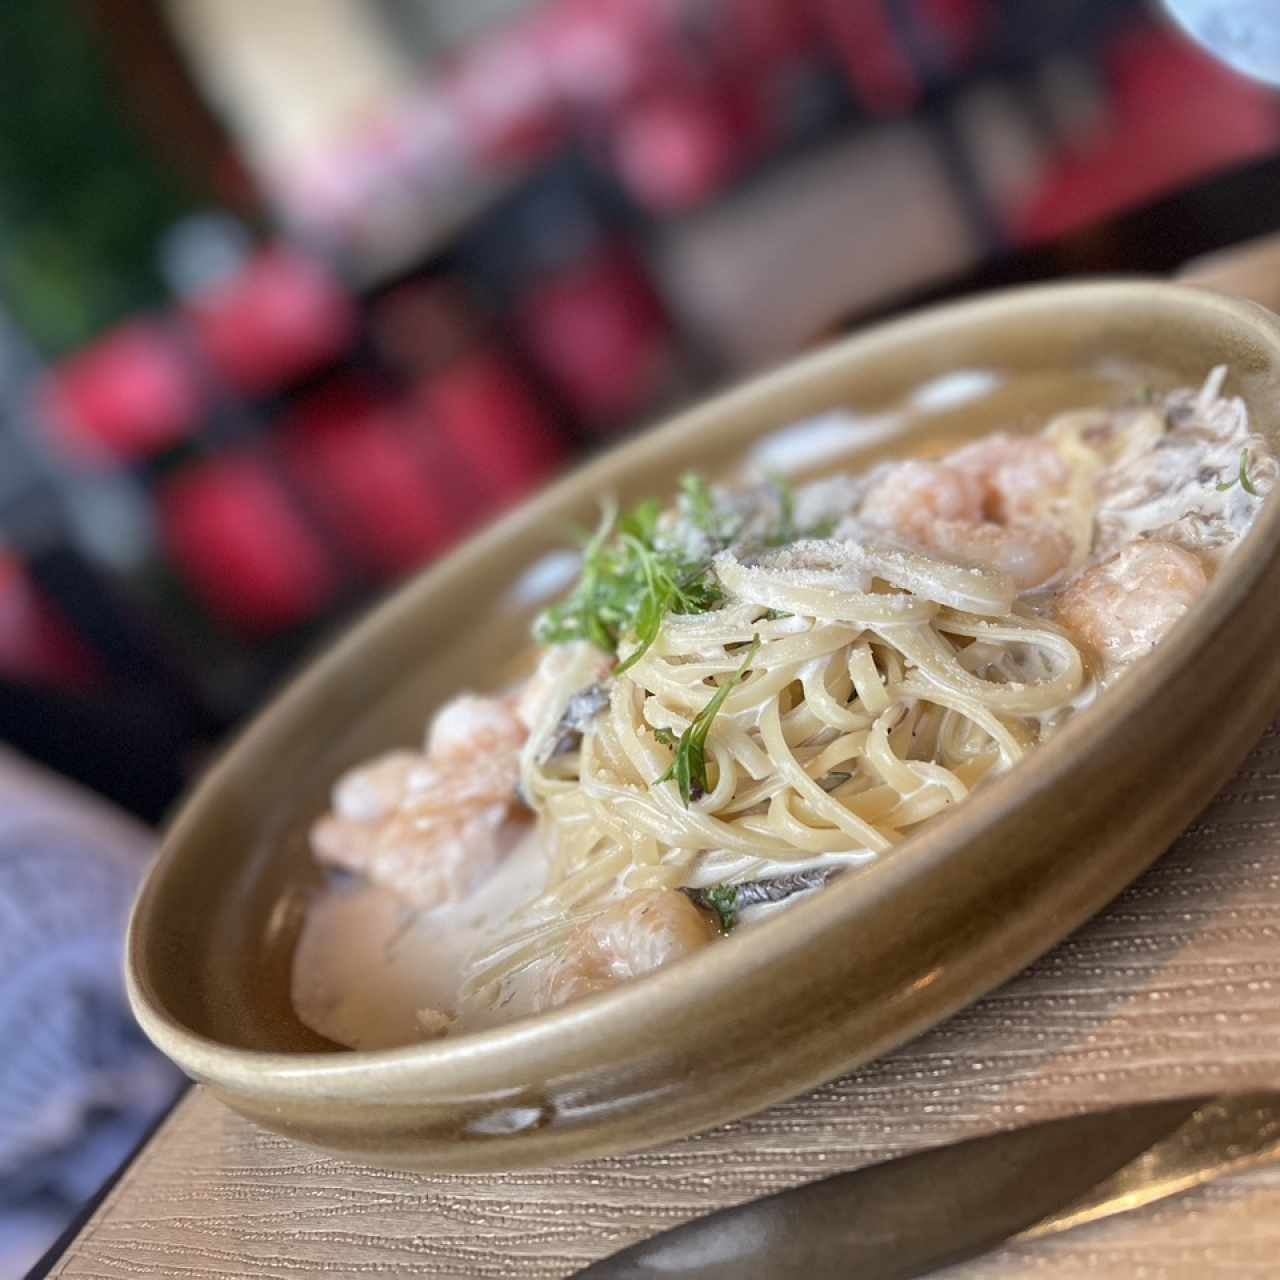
{"x":1249,"y":270}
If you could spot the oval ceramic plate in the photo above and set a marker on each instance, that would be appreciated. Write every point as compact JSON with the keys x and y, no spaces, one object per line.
{"x":874,"y":959}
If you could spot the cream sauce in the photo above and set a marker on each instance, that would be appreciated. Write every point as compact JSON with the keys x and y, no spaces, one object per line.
{"x":370,"y":973}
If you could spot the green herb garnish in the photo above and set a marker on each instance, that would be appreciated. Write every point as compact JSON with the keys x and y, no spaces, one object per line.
{"x":630,"y":581}
{"x":726,"y":900}
{"x":701,"y":505}
{"x":723,"y":900}
{"x":721,"y":524}
{"x":638,"y":568}
{"x":641,"y":522}
{"x":787,"y":530}
{"x":689,"y":765}
{"x":666,"y":737}
{"x":1244,"y":480}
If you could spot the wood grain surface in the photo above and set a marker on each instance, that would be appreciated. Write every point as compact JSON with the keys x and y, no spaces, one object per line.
{"x":1175,"y":988}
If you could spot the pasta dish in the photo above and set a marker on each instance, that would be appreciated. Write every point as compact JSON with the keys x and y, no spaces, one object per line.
{"x":750,"y":691}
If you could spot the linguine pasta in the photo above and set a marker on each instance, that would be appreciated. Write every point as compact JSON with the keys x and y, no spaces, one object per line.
{"x":885,"y":686}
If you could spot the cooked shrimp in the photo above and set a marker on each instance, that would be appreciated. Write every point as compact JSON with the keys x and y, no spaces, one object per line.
{"x":913,"y":496}
{"x":470,"y":728}
{"x":1124,"y":605}
{"x":643,"y":932}
{"x":977,"y":507}
{"x":1016,"y":475}
{"x":376,"y":789}
{"x":428,"y":826}
{"x":1029,"y":554}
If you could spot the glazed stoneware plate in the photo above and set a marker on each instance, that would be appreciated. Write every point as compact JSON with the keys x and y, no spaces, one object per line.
{"x":850,"y":973}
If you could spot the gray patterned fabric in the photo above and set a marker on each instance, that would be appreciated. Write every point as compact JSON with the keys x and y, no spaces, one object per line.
{"x":78,"y":1084}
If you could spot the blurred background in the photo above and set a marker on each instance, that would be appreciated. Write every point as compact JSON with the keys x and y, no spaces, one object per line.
{"x":295,"y":295}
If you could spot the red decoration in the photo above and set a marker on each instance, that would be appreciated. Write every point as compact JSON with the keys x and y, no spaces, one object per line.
{"x":352,"y":455}
{"x":282,"y":316}
{"x":751,"y":36}
{"x":36,"y":643}
{"x":1175,"y":115}
{"x":862,"y":36}
{"x":246,"y":548}
{"x":129,"y":395}
{"x":487,"y":414}
{"x":676,"y":149}
{"x":598,"y":335}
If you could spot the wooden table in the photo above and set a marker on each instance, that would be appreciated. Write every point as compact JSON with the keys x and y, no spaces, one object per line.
{"x":1176,"y":988}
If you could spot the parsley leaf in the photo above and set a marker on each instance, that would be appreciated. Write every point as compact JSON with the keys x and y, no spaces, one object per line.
{"x":688,"y":767}
{"x":723,"y":900}
{"x":641,"y":566}
{"x":701,"y":505}
{"x":665,"y":736}
{"x":1244,"y":480}
{"x":726,"y":900}
{"x":641,"y":522}
{"x":719,"y":521}
{"x":787,"y":530}
{"x":630,"y":581}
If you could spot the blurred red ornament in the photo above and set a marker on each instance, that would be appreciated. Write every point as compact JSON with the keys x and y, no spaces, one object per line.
{"x":129,"y":395}
{"x":597,"y":333}
{"x":248,"y":551}
{"x":863,"y":38}
{"x":486,"y":412}
{"x":36,"y":644}
{"x":750,"y":36}
{"x":676,"y":149}
{"x":282,"y":316}
{"x":351,"y":454}
{"x":1175,"y":114}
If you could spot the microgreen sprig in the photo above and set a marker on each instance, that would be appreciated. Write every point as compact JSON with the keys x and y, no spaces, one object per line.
{"x":641,"y":566}
{"x":630,"y":581}
{"x":688,"y":766}
{"x":1244,"y":480}
{"x":726,"y":900}
{"x":787,"y":530}
{"x":699,"y":502}
{"x":723,"y":900}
